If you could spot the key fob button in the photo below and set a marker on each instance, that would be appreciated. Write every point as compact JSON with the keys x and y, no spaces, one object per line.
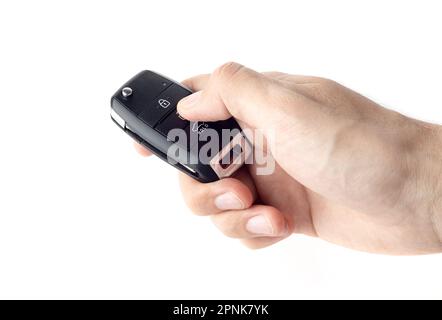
{"x":175,"y":121}
{"x":172,"y":121}
{"x":153,"y":114}
{"x":163,"y":104}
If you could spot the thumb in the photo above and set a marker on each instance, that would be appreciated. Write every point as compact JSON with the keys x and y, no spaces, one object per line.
{"x":234,"y":90}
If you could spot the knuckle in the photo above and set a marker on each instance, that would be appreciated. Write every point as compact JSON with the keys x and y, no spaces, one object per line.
{"x":227,"y":71}
{"x":326,"y":83}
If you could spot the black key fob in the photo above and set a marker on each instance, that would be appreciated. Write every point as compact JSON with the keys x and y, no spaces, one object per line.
{"x":145,"y":108}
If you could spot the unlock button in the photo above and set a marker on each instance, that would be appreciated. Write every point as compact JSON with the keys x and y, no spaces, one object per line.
{"x":169,"y":98}
{"x":156,"y":110}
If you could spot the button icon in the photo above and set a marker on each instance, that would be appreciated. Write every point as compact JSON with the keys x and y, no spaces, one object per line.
{"x":164,"y":103}
{"x":199,"y":127}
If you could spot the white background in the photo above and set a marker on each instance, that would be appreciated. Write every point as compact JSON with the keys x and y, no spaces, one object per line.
{"x":83,"y":216}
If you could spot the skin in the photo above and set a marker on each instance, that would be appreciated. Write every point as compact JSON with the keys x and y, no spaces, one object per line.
{"x":348,"y":170}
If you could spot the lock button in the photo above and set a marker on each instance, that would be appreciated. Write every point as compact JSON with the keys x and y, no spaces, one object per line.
{"x":163,"y":104}
{"x":175,"y":121}
{"x":172,"y":121}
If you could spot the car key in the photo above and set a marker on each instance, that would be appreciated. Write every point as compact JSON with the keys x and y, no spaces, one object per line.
{"x":145,"y":108}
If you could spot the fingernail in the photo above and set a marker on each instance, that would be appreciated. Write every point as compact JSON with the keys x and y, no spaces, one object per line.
{"x":190,"y":101}
{"x":228,"y":201}
{"x":259,"y":225}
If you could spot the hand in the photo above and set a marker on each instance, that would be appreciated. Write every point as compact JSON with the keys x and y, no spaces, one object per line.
{"x":348,"y":171}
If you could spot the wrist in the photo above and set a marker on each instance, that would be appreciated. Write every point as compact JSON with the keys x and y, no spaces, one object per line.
{"x":436,"y":161}
{"x":428,"y":162}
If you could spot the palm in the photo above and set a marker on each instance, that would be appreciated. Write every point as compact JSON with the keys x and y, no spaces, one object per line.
{"x":314,"y":215}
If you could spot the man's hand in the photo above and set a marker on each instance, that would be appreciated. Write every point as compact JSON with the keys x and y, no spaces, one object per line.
{"x":348,"y":170}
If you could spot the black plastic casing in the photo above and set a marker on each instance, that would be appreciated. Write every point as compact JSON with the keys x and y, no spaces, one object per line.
{"x":150,"y":111}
